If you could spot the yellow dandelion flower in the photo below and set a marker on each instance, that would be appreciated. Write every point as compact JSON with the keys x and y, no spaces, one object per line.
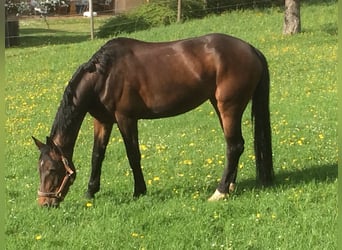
{"x":187,"y":162}
{"x":89,"y":204}
{"x":38,"y":237}
{"x":195,"y":195}
{"x":160,"y":147}
{"x":321,"y":136}
{"x":156,"y":178}
{"x":209,"y":160}
{"x":135,"y":234}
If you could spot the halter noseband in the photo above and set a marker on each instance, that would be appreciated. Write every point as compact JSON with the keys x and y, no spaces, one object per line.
{"x":58,"y":194}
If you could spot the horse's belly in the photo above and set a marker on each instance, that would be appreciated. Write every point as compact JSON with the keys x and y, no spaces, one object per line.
{"x":173,"y":103}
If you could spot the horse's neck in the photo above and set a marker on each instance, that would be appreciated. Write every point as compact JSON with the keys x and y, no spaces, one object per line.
{"x":67,"y":124}
{"x":66,"y":138}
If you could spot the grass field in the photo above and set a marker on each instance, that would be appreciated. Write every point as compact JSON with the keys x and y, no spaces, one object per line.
{"x":183,"y":156}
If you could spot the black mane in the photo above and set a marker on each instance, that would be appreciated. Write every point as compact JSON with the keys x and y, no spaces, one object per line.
{"x":67,"y":110}
{"x":100,"y":62}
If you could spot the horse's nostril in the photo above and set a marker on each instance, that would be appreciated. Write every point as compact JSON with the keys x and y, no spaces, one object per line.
{"x":46,"y":204}
{"x":50,"y":205}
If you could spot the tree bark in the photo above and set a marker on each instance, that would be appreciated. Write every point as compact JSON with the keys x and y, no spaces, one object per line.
{"x":292,"y":24}
{"x":179,"y":10}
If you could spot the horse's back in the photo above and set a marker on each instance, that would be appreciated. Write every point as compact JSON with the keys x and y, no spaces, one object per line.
{"x":168,"y":78}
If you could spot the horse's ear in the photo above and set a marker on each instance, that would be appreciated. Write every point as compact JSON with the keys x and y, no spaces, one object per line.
{"x":38,"y":143}
{"x":49,"y":142}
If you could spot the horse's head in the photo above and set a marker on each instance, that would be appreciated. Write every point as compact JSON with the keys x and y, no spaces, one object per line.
{"x":56,"y":174}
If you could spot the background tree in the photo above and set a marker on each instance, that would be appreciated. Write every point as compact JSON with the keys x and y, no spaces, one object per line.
{"x":292,"y":23}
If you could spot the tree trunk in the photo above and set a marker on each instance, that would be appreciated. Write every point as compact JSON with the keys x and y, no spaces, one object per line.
{"x":179,"y":10}
{"x":292,"y":17}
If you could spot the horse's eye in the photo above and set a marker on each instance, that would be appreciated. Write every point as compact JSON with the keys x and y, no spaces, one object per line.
{"x":53,"y":170}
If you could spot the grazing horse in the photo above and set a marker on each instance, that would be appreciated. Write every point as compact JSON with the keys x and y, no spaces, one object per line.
{"x":127,"y":80}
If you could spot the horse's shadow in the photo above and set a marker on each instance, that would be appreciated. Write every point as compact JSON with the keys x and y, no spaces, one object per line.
{"x":319,"y":173}
{"x":284,"y":179}
{"x":291,"y":178}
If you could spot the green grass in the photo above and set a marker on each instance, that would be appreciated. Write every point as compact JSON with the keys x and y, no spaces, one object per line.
{"x":183,"y":156}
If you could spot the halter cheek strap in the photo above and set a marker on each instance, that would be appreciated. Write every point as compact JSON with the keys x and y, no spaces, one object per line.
{"x":58,"y":194}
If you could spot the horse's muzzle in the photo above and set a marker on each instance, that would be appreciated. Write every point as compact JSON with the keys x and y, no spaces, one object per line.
{"x":48,"y":202}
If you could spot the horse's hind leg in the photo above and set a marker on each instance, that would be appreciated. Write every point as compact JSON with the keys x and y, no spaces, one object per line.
{"x":231,"y":124}
{"x":102,"y":133}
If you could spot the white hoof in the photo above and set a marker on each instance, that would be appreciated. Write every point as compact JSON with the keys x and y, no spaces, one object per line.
{"x":218,"y":196}
{"x":231,"y":187}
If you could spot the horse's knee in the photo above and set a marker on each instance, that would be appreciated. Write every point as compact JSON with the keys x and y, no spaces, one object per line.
{"x":236,"y":147}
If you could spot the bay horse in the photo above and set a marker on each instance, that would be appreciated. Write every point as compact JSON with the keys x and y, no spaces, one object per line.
{"x":127,"y":80}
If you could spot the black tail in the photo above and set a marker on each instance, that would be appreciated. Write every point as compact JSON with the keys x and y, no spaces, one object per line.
{"x":262,"y":127}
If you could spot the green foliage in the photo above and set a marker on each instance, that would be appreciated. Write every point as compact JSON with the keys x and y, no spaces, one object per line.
{"x":182,"y":157}
{"x":160,"y":12}
{"x":15,"y":7}
{"x":190,"y":8}
{"x":144,"y":17}
{"x":219,"y":6}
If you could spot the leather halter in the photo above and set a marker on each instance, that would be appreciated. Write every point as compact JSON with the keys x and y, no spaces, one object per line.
{"x":69,"y":172}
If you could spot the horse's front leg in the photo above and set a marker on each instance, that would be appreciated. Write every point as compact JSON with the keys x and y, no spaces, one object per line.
{"x":102,"y":133}
{"x":129,"y":131}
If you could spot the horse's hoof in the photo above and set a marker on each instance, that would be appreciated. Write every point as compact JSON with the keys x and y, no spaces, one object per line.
{"x":136,"y":195}
{"x":139,"y":191}
{"x":231,"y":187}
{"x":89,"y":195}
{"x":218,"y":196}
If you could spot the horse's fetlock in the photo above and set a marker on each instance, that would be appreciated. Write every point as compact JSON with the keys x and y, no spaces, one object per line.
{"x":89,"y":195}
